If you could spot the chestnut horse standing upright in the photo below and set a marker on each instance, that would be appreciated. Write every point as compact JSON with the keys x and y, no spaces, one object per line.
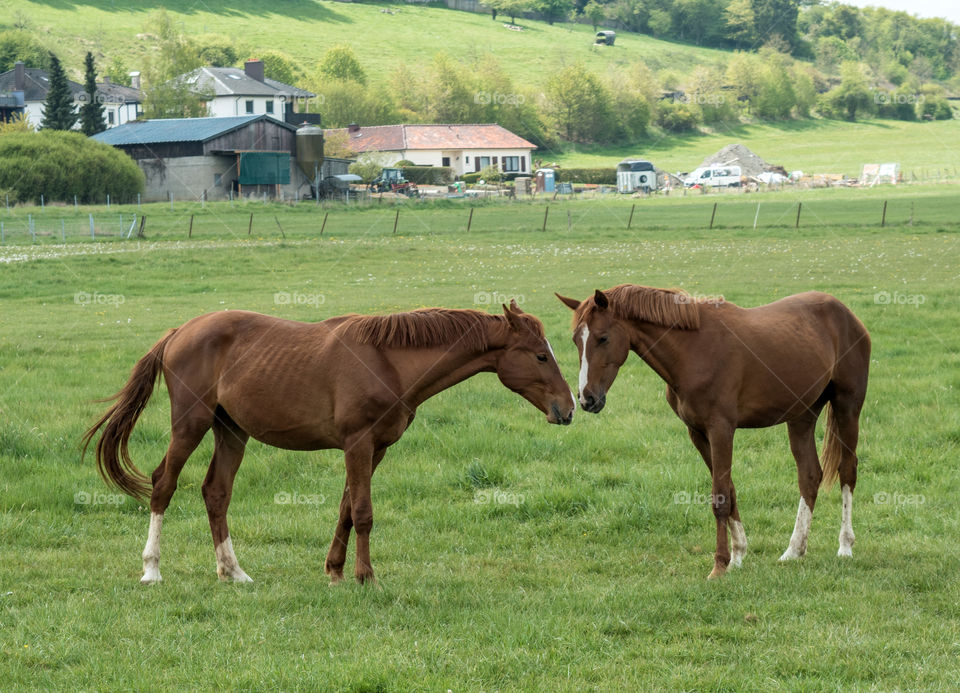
{"x":352,"y":382}
{"x":728,"y":367}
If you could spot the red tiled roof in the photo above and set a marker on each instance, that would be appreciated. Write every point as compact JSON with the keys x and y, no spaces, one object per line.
{"x":394,"y":138}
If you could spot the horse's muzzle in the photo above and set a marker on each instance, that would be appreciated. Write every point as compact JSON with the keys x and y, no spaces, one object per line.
{"x":593,"y":404}
{"x":557,"y":417}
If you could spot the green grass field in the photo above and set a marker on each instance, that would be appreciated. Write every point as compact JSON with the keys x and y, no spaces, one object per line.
{"x":305,"y":29}
{"x":924,"y":150}
{"x":512,"y":555}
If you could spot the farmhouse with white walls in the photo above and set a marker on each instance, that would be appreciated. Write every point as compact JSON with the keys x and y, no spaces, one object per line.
{"x":464,"y":148}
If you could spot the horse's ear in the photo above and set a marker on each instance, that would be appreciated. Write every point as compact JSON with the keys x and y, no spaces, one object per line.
{"x":511,"y":317}
{"x":570,"y":303}
{"x":514,"y":307}
{"x":600,"y":299}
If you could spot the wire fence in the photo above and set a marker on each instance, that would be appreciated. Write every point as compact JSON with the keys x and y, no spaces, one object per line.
{"x":222,"y":220}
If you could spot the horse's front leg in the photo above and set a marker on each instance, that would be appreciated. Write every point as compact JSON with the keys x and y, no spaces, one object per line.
{"x":723,"y":496}
{"x":337,"y":555}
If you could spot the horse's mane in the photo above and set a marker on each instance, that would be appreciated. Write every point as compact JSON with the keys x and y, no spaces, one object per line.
{"x":430,"y":327}
{"x":664,"y":307}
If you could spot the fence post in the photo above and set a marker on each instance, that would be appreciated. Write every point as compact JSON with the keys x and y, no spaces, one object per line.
{"x":138,"y":201}
{"x":108,"y":200}
{"x":170,"y":195}
{"x":883,"y":217}
{"x":324,"y":224}
{"x":42,"y":205}
{"x":630,"y":220}
{"x":33,"y":236}
{"x":250,"y":225}
{"x":396,"y":219}
{"x":63,"y":231}
{"x":756,"y":217}
{"x":713,"y":214}
{"x":911,"y":212}
{"x":546,"y":211}
{"x":74,"y":201}
{"x":190,"y":231}
{"x":799,"y":207}
{"x":470,"y":220}
{"x":92,"y":232}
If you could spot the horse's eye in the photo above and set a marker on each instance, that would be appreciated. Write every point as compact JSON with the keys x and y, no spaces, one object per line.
{"x":601,"y":340}
{"x":542,"y":358}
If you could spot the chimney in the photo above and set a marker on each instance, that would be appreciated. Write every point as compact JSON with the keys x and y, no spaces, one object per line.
{"x":135,"y":79}
{"x":254,"y":69}
{"x":353,"y":128}
{"x":19,"y":76}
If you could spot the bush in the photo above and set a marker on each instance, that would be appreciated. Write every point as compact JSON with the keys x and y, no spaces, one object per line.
{"x":59,"y":165}
{"x":677,"y":117}
{"x":428,"y":175}
{"x":598,"y":176}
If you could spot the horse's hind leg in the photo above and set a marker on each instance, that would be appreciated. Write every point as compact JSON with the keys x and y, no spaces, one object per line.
{"x":738,"y":537}
{"x":804,"y":447}
{"x":229,"y":444}
{"x":846,"y":415}
{"x":185,"y":435}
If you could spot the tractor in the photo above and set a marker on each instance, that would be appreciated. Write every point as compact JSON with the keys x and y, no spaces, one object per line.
{"x":392,"y":180}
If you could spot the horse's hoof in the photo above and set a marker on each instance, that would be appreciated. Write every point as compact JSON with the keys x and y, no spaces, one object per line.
{"x":717,"y":572}
{"x":151,"y":579}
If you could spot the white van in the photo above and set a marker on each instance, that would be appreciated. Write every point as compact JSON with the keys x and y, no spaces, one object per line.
{"x":714,"y":176}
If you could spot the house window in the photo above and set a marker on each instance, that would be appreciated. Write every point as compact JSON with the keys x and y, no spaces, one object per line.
{"x":484,"y":161}
{"x":217,"y":180}
{"x":445,"y":161}
{"x":511,"y":164}
{"x":467,"y":160}
{"x":249,"y":105}
{"x":269,"y":106}
{"x":110,"y":117}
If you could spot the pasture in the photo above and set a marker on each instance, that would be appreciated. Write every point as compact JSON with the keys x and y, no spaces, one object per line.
{"x":511,"y":555}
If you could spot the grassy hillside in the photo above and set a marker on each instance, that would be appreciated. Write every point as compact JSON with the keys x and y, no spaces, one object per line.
{"x":305,"y":29}
{"x":819,"y":146}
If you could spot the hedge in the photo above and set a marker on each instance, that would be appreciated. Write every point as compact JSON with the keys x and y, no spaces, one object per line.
{"x":428,"y":175}
{"x":598,"y":176}
{"x":59,"y":165}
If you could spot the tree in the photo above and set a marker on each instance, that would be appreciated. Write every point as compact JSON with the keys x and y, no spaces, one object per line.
{"x":341,"y":63}
{"x":579,"y":104}
{"x":217,"y":51}
{"x":511,"y":8}
{"x":280,"y":66}
{"x":553,"y":9}
{"x":58,"y":113}
{"x":91,"y":112}
{"x":21,"y":45}
{"x":776,"y":18}
{"x":595,"y":12}
{"x":740,"y":23}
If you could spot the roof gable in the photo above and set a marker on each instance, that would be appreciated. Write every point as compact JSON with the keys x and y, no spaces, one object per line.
{"x":233,"y":81}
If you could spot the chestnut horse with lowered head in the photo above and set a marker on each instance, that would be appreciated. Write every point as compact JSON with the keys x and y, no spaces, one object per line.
{"x":728,"y":367}
{"x":352,"y":382}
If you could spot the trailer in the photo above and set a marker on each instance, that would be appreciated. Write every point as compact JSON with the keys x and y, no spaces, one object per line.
{"x":635,"y":175}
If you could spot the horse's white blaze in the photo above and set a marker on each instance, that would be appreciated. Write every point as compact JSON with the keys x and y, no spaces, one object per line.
{"x":227,"y":566}
{"x":151,"y":552}
{"x":798,"y":541}
{"x":738,"y":542}
{"x":846,"y":523}
{"x":584,"y":365}
{"x":573,"y":399}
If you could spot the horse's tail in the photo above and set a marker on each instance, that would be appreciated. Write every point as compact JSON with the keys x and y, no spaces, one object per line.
{"x":113,"y":456}
{"x":832,"y":451}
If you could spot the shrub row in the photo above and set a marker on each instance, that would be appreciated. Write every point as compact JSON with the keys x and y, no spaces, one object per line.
{"x":428,"y":175}
{"x":59,"y":165}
